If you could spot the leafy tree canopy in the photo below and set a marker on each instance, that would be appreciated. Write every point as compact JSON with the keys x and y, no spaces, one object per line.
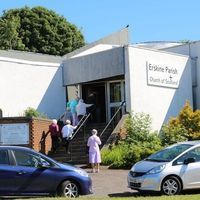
{"x":38,"y":30}
{"x":186,"y":126}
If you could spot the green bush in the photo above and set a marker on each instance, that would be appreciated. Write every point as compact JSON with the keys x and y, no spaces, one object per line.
{"x":173,"y":132}
{"x":139,"y":143}
{"x":31,"y":112}
{"x":139,"y":151}
{"x":114,"y":157}
{"x":138,"y":127}
{"x":186,"y":126}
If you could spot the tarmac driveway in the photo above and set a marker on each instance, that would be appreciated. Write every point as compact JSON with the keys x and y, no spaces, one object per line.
{"x":109,"y":182}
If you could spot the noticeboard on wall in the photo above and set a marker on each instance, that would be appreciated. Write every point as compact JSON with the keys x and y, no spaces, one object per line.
{"x":14,"y":134}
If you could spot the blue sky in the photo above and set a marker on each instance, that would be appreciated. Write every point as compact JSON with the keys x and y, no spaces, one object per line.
{"x":149,"y":20}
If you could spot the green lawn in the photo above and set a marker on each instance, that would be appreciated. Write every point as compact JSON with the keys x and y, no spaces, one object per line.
{"x":178,"y":197}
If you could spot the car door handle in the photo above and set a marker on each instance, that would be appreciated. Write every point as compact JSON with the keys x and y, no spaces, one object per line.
{"x":21,"y":172}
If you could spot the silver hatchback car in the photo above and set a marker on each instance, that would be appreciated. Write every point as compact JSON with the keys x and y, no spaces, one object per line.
{"x":169,"y":171}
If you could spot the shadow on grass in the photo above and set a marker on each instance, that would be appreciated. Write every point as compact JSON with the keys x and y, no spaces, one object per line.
{"x":134,"y":194}
{"x":122,"y":194}
{"x":145,"y":193}
{"x":20,"y":197}
{"x":194,"y":191}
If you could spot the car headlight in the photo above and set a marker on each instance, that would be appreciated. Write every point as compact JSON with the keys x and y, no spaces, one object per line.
{"x":81,"y":172}
{"x":156,"y":170}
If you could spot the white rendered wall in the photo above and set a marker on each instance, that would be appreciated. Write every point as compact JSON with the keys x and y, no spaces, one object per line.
{"x":159,"y":101}
{"x":195,"y":55}
{"x":182,"y":49}
{"x":193,"y":50}
{"x":31,"y":84}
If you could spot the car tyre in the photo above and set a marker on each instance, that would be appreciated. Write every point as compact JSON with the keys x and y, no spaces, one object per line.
{"x":69,"y":189}
{"x":171,"y":186}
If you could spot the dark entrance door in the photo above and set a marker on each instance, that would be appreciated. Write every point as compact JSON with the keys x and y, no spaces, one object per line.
{"x":95,"y":94}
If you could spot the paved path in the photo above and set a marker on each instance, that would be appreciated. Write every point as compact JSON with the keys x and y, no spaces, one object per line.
{"x":113,"y":183}
{"x":110,"y":182}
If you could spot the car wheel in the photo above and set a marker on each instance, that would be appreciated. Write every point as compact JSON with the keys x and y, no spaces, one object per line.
{"x":69,"y":189}
{"x":171,"y":186}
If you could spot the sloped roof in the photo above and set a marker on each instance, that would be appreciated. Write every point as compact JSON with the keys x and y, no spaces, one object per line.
{"x":30,"y":56}
{"x":118,"y":38}
{"x":158,"y":44}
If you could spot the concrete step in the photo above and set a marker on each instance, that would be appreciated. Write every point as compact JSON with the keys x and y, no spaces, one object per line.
{"x":78,"y":146}
{"x":72,"y":159}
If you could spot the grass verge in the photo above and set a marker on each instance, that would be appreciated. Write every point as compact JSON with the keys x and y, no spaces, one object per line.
{"x":177,"y":197}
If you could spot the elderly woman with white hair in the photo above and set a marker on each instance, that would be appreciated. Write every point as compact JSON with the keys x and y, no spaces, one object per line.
{"x":94,"y":151}
{"x":67,"y":132}
{"x":55,"y":135}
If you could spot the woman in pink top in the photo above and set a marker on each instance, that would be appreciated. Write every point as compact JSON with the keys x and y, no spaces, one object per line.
{"x":94,"y":151}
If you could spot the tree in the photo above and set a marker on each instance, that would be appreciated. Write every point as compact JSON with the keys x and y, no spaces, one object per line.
{"x":38,"y":30}
{"x":186,"y":126}
{"x":173,"y":132}
{"x":191,"y":121}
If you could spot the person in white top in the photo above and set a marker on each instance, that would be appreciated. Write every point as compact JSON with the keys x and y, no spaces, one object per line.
{"x":67,"y":132}
{"x":94,"y":151}
{"x":81,"y":109}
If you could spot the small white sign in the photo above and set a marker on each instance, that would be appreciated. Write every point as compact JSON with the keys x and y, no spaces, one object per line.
{"x":163,"y":75}
{"x":14,"y":134}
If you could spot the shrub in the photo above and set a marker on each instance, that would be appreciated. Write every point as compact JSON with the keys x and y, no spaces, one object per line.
{"x":190,"y":120}
{"x":186,"y":126}
{"x":137,"y":153}
{"x":31,"y":112}
{"x":139,"y":143}
{"x":114,"y":157}
{"x":173,"y":132}
{"x":138,"y":127}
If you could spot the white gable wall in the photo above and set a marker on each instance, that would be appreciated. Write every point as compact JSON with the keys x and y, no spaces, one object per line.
{"x":195,"y":55}
{"x":182,"y":49}
{"x":159,"y":101}
{"x":95,"y":49}
{"x":31,"y":84}
{"x":193,"y":50}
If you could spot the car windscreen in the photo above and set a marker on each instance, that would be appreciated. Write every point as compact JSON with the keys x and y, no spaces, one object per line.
{"x":168,"y":154}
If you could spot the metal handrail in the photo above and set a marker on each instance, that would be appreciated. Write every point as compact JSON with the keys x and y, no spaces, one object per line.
{"x":44,"y":135}
{"x":42,"y":142}
{"x":120,"y":107}
{"x":81,"y":122}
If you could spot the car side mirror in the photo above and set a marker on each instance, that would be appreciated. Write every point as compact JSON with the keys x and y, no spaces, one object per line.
{"x":189,"y":160}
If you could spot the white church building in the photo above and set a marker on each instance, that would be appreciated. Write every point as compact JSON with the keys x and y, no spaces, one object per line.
{"x":156,"y":78}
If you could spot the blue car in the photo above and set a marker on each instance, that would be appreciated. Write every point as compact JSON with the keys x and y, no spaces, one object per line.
{"x":25,"y":172}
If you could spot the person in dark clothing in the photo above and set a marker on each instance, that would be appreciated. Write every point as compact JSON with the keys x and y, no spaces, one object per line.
{"x":55,"y":135}
{"x":92,"y":99}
